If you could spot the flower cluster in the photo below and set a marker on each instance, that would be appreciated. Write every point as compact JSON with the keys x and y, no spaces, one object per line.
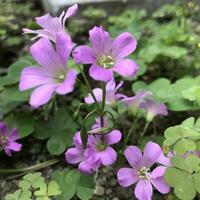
{"x":98,"y":150}
{"x":106,"y":56}
{"x":8,"y":139}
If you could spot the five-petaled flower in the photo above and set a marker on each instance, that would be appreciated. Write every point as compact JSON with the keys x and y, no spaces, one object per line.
{"x":154,"y":109}
{"x":52,"y":75}
{"x":133,"y":103}
{"x":107,"y":55}
{"x":8,"y":139}
{"x":52,"y":25}
{"x":111,"y":95}
{"x":141,"y":172}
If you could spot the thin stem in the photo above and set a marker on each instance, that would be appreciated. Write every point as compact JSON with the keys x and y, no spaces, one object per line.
{"x":31,"y":168}
{"x":145,"y":128}
{"x":89,"y":88}
{"x":103,"y":103}
{"x":130,"y":131}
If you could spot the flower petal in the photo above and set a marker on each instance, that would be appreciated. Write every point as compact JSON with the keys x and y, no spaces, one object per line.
{"x":110,"y":85}
{"x":152,"y":151}
{"x":44,"y":53}
{"x":14,"y":135}
{"x":71,"y":11}
{"x":85,"y":167}
{"x":100,"y":74}
{"x":68,"y":85}
{"x":77,"y":140}
{"x":14,"y":146}
{"x":123,"y":45}
{"x":134,"y":156}
{"x":42,"y":95}
{"x":98,"y":94}
{"x":64,"y":46}
{"x":126,"y":68}
{"x":83,"y":55}
{"x":158,"y":180}
{"x":127,"y":176}
{"x":74,"y":155}
{"x":34,"y":76}
{"x":113,"y":137}
{"x":144,"y":190}
{"x":108,"y":156}
{"x":101,"y":41}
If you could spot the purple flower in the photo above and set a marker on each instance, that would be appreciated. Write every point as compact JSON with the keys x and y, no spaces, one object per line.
{"x":98,"y":123}
{"x":133,"y":103}
{"x":99,"y":148}
{"x":154,"y":109}
{"x":141,"y":173}
{"x":52,"y":25}
{"x":107,"y":55}
{"x":8,"y":139}
{"x":76,"y":155}
{"x":52,"y":75}
{"x":111,"y":95}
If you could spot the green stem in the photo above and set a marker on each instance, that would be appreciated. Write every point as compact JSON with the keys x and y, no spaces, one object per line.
{"x":90,"y":89}
{"x":145,"y":128}
{"x":31,"y":168}
{"x":130,"y":131}
{"x":103,"y":103}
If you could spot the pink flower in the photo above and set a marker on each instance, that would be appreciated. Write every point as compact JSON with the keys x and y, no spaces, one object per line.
{"x":76,"y":155}
{"x":107,"y":55}
{"x":52,"y":75}
{"x":133,"y":103}
{"x":52,"y":25}
{"x":154,"y":109}
{"x":99,"y":148}
{"x":141,"y":172}
{"x":111,"y":93}
{"x":8,"y":139}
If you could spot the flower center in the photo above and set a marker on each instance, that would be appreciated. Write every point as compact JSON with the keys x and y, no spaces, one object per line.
{"x":100,"y":146}
{"x":106,"y":61}
{"x":60,"y":78}
{"x":3,"y":140}
{"x":144,"y":173}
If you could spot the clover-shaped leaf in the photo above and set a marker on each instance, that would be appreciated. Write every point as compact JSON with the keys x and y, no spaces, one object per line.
{"x":14,"y":196}
{"x":42,"y":191}
{"x":24,"y":185}
{"x":184,"y":176}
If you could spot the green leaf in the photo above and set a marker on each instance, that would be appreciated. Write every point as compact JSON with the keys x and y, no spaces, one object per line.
{"x":196,"y":178}
{"x":23,"y":122}
{"x":24,"y":185}
{"x":53,"y":189}
{"x":42,"y":190}
{"x":174,"y":52}
{"x":184,"y":145}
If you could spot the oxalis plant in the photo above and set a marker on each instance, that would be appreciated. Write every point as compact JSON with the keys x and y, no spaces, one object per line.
{"x":176,"y":165}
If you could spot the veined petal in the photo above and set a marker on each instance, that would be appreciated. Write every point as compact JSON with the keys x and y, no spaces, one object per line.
{"x":74,"y":155}
{"x":126,"y":68}
{"x":83,"y":55}
{"x":3,"y":128}
{"x":152,"y":151}
{"x":113,"y":137}
{"x":71,"y":11}
{"x":14,"y":135}
{"x":110,"y":85}
{"x":123,"y":45}
{"x":100,"y":40}
{"x":127,"y":176}
{"x":108,"y":156}
{"x":34,"y":76}
{"x":85,"y":167}
{"x":68,"y":85}
{"x":98,"y":94}
{"x":44,"y":53}
{"x":64,"y":46}
{"x":134,"y":156}
{"x":42,"y":95}
{"x":144,"y":190}
{"x":100,"y":74}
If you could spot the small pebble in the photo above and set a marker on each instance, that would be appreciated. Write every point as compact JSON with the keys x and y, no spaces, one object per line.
{"x":108,"y":191}
{"x":99,"y":191}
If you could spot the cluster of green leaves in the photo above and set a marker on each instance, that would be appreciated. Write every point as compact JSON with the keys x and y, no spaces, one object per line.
{"x":33,"y":186}
{"x":184,"y":137}
{"x":73,"y":183}
{"x":184,"y":173}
